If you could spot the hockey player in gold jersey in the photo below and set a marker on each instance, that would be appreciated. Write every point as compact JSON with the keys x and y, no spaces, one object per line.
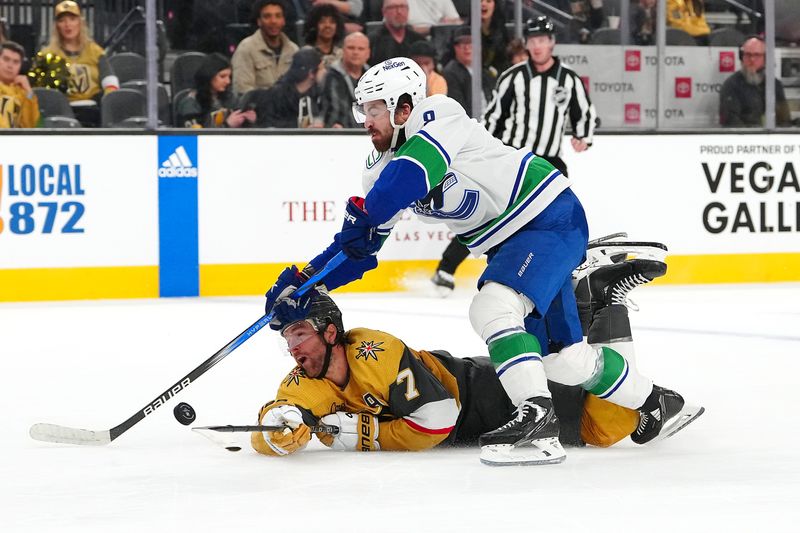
{"x":384,"y":395}
{"x":19,"y":107}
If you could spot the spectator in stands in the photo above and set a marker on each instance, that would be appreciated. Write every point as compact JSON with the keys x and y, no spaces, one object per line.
{"x":341,"y":81}
{"x":262,"y":58}
{"x":494,"y":37}
{"x":91,"y":75}
{"x":516,"y":52}
{"x":589,"y":15}
{"x":395,"y":37}
{"x":423,"y":53}
{"x":350,"y":10}
{"x":689,"y":16}
{"x":294,"y":101}
{"x":422,"y":14}
{"x":742,"y":97}
{"x":212,"y":103}
{"x":643,"y":23}
{"x":458,"y":72}
{"x":324,"y":31}
{"x":19,"y":107}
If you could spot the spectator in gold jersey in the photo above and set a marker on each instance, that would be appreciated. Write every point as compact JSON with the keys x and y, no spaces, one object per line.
{"x":19,"y":107}
{"x":91,"y":74}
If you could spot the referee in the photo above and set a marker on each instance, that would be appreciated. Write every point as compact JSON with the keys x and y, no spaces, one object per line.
{"x":531,"y":103}
{"x":534,"y":99}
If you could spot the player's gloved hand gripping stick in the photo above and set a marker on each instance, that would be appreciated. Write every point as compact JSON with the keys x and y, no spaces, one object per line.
{"x":68,"y":435}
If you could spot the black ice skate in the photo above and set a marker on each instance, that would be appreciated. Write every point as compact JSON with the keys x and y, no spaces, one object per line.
{"x":444,"y":283}
{"x":530,"y":438}
{"x":663,"y":414}
{"x":610,"y":285}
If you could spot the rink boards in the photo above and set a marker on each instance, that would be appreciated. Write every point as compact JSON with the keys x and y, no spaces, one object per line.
{"x":125,"y":216}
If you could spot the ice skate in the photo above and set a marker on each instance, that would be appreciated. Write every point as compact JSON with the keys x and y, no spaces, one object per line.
{"x":530,"y":438}
{"x":663,"y":414}
{"x":612,"y":249}
{"x":610,"y":285}
{"x":444,"y":283}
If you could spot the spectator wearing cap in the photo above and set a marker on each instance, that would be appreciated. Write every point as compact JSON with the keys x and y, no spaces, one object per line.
{"x":262,"y":58}
{"x":423,"y":53}
{"x":422,"y":14}
{"x":19,"y":107}
{"x":341,"y":80}
{"x":395,"y":37}
{"x":212,"y":104}
{"x":552,"y":93}
{"x":324,"y":30}
{"x":458,"y":72}
{"x":293,"y":102}
{"x":90,"y":73}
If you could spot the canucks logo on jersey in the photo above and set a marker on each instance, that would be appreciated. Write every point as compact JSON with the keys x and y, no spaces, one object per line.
{"x":369,"y":349}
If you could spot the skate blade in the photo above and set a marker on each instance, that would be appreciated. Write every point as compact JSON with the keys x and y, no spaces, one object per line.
{"x":538,"y":452}
{"x":686,"y":416}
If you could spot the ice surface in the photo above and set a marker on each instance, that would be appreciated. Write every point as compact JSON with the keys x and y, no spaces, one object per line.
{"x":91,"y":365}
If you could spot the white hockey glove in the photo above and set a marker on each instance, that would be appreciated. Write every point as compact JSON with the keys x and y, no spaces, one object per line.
{"x":357,"y":431}
{"x":293,"y":438}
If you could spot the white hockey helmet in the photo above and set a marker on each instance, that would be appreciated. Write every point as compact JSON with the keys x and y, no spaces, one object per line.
{"x":388,"y":81}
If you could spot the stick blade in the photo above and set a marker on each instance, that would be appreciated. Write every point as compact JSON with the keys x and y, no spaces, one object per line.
{"x":67,"y":435}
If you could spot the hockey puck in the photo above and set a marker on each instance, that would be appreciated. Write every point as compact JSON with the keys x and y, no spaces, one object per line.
{"x":184,"y":413}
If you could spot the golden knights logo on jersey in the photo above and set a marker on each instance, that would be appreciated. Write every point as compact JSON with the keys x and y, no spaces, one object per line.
{"x":294,"y":376}
{"x":369,"y":349}
{"x":80,"y":81}
{"x":10,"y":109}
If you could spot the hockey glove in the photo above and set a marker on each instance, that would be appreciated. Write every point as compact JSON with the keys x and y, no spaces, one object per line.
{"x":289,"y":440}
{"x":279,"y":300}
{"x":357,"y":431}
{"x":358,"y":238}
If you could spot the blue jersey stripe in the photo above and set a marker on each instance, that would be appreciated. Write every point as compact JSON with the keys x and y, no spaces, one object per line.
{"x":520,"y":175}
{"x":521,"y":208}
{"x":500,"y":372}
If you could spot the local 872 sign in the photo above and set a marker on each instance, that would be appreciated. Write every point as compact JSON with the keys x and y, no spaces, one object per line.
{"x":41,"y":198}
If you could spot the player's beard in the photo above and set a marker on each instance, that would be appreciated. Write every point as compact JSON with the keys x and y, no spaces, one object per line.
{"x":381,"y":142}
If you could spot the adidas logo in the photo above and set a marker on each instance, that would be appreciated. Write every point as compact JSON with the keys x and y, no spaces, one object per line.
{"x":178,"y":165}
{"x":656,"y":414}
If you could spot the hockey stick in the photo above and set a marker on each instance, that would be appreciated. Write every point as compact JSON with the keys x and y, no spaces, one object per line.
{"x":332,"y":430}
{"x":68,"y":435}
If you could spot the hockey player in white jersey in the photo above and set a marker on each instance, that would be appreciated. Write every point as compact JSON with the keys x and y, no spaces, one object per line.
{"x":518,"y":210}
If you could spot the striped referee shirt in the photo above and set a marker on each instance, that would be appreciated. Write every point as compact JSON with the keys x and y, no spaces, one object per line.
{"x":529,"y":109}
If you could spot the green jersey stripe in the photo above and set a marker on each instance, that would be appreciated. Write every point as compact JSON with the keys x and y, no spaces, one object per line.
{"x":427,"y":155}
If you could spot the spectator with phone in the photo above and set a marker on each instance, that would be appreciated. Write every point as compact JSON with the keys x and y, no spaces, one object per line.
{"x":212,"y":104}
